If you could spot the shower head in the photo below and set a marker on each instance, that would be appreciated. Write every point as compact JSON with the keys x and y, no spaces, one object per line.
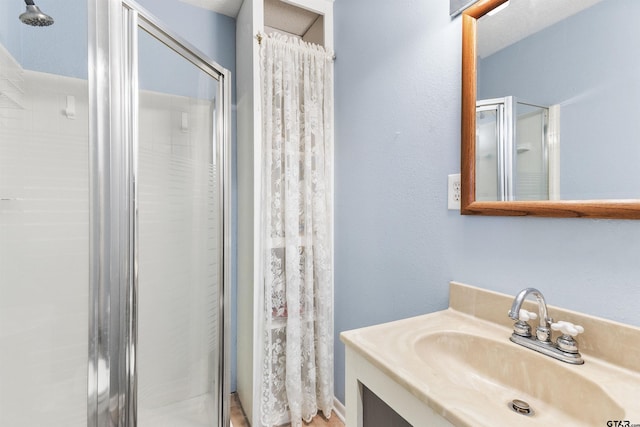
{"x":34,"y":16}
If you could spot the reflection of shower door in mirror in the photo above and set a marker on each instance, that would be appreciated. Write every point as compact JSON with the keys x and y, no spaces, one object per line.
{"x":513,"y":159}
{"x":180,"y":235}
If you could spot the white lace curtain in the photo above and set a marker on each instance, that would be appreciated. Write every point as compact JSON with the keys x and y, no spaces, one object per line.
{"x":297,"y":244}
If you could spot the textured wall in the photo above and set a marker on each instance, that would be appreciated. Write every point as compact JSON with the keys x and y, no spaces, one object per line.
{"x":397,"y":138}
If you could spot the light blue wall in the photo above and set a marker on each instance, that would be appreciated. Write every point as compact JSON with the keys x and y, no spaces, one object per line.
{"x":210,"y":32}
{"x":584,"y":66}
{"x":397,"y":246}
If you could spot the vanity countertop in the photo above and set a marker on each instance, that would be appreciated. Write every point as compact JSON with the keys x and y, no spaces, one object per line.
{"x":461,"y":364}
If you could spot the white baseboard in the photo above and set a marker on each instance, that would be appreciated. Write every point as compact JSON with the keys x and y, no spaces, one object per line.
{"x":339,"y":409}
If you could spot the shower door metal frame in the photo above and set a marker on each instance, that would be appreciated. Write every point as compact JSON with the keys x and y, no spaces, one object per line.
{"x":504,"y":135}
{"x":109,"y":252}
{"x":113,"y":126}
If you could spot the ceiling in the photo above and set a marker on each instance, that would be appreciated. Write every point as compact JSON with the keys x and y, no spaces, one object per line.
{"x":225,"y":7}
{"x":521,"y":19}
{"x":288,"y":18}
{"x":278,"y":14}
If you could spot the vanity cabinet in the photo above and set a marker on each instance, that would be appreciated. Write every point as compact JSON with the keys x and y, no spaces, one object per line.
{"x":376,"y":413}
{"x":364,"y":410}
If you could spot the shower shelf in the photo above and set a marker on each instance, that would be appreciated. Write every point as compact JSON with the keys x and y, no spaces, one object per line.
{"x":523,"y":148}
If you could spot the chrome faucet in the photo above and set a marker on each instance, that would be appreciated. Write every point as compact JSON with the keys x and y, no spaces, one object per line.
{"x":566,"y":348}
{"x":543,"y":331}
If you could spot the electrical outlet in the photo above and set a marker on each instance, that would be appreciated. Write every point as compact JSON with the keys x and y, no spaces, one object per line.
{"x":454,"y":193}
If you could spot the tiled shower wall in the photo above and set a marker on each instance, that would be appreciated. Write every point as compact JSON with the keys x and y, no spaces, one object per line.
{"x":44,"y":242}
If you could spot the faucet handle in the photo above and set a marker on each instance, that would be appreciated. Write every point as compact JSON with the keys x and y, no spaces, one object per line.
{"x":567,"y":328}
{"x":527,"y":315}
{"x":565,"y":342}
{"x":521,"y":327}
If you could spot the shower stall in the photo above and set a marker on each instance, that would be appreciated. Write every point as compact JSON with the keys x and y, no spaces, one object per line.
{"x":114,"y":221}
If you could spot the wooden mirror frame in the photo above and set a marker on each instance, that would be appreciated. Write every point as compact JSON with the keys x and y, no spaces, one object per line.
{"x":613,"y":209}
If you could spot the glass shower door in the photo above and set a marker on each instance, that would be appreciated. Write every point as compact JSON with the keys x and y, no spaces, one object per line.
{"x":179,"y":242}
{"x":86,"y":262}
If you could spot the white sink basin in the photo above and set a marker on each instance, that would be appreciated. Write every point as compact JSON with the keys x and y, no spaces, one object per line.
{"x":460,"y":365}
{"x":492,"y":373}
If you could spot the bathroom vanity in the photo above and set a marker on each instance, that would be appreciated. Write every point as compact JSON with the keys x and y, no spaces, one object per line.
{"x":458,"y":367}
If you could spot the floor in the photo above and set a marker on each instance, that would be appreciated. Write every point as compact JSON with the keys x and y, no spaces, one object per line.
{"x":238,"y":418}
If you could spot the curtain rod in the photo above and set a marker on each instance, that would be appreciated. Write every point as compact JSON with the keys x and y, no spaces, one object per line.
{"x":259,"y":38}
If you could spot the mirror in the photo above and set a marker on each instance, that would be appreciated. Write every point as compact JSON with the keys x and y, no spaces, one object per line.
{"x":551,"y":109}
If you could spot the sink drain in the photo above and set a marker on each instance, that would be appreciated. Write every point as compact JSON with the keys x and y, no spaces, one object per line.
{"x":521,"y":407}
